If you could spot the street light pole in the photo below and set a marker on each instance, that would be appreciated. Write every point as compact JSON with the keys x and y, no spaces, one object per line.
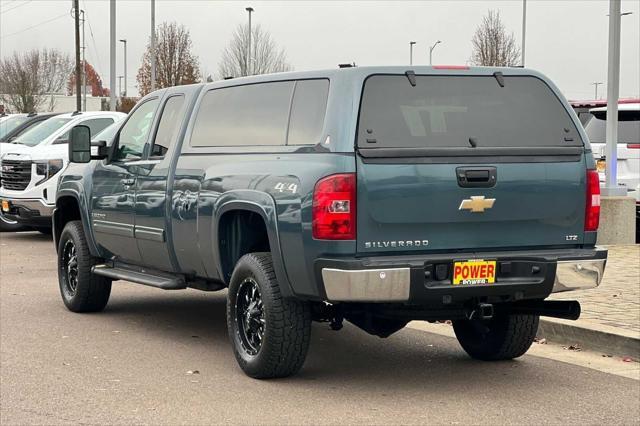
{"x":112,"y":56}
{"x":124,"y":41}
{"x":411,"y":43}
{"x":524,"y":27}
{"x":250,"y":10}
{"x":153,"y":45}
{"x":84,"y":67}
{"x":431,"y":51}
{"x":596,"y":84}
{"x":611,"y":187}
{"x":76,"y":16}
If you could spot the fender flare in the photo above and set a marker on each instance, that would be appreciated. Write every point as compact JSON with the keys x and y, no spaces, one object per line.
{"x":264,"y":205}
{"x":84,"y":217}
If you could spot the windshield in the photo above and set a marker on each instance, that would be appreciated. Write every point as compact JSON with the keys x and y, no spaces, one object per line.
{"x":7,"y":125}
{"x":443,"y":111}
{"x":628,"y":127}
{"x":39,"y":133}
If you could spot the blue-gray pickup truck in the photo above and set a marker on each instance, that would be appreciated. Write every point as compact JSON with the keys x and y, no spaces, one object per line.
{"x":379,"y":195}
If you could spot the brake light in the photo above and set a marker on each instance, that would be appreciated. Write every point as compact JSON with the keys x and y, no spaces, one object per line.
{"x":633,"y":145}
{"x":592,"y":215}
{"x":334,"y":208}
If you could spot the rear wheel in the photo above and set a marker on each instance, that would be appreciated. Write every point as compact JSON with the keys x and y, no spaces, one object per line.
{"x":81,"y":290}
{"x":502,"y":337}
{"x":270,"y":335}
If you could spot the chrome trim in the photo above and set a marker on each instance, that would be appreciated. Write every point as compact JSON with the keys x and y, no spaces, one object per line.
{"x":114,"y":228}
{"x":149,"y":233}
{"x":40,"y":206}
{"x":578,"y":274}
{"x":367,"y":285}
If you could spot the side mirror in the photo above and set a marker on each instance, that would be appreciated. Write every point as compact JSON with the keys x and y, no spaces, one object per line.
{"x":80,"y":144}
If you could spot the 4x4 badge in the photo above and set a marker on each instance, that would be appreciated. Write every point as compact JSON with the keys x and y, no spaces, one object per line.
{"x":477,"y":204}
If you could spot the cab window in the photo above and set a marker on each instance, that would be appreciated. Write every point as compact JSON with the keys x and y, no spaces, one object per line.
{"x":169,"y":126}
{"x":135,"y":132}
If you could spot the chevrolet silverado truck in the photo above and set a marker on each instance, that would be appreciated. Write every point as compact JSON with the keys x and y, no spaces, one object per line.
{"x":376,"y":195}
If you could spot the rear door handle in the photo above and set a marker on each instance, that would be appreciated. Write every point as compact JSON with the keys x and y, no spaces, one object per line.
{"x":476,"y":177}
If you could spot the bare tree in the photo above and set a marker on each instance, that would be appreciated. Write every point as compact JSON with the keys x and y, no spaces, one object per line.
{"x":265,"y":56}
{"x":26,"y":79}
{"x":492,"y":46}
{"x":175,"y":62}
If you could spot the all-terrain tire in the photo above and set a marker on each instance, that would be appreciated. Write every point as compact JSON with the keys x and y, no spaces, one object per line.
{"x":81,"y":290}
{"x":286,"y":331}
{"x":502,"y":337}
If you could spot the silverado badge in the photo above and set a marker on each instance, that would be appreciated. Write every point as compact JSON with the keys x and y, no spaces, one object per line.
{"x":477,"y":204}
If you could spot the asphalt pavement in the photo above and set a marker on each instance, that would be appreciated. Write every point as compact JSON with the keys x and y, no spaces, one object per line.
{"x":161,"y":357}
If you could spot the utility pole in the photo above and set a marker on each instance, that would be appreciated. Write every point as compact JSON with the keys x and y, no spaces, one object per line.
{"x":611,"y":187}
{"x":120,"y":85}
{"x":76,"y":16}
{"x":596,"y":84}
{"x":84,"y":67}
{"x":124,"y":41}
{"x":524,"y":27}
{"x":112,"y":56}
{"x":153,"y":45}
{"x":250,"y":10}
{"x":411,"y":43}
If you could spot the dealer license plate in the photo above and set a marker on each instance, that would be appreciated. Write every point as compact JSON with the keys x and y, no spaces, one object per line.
{"x":475,"y":271}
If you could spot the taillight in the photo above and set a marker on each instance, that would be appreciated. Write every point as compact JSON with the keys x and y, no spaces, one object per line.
{"x":592,"y":216}
{"x":633,"y":145}
{"x":334,"y":208}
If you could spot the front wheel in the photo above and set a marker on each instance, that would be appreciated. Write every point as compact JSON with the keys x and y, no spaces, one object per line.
{"x":81,"y":289}
{"x":270,"y":335}
{"x":499,"y":338}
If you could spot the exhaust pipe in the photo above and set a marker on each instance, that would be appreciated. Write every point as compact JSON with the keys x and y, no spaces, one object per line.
{"x":565,"y":309}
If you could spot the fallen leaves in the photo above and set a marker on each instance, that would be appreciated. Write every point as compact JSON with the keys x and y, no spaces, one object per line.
{"x":572,"y":348}
{"x":190,"y":372}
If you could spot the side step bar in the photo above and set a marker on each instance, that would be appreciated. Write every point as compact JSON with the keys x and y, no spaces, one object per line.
{"x":153,"y":279}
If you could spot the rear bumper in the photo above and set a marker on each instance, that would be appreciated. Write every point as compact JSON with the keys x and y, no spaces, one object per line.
{"x":423,"y":280}
{"x":32,"y":212}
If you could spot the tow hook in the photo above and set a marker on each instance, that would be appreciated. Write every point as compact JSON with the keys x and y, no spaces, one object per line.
{"x":483,"y":311}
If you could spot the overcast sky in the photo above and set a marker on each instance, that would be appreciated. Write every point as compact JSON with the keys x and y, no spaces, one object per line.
{"x":566,"y":40}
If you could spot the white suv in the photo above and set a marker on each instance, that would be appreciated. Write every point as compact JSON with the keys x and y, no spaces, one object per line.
{"x":628,"y":147}
{"x":30,"y":166}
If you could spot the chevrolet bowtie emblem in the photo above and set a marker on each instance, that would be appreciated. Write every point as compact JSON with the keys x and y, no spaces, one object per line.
{"x":477,"y":204}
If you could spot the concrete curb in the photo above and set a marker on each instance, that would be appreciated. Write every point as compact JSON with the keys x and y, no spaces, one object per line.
{"x":590,"y":335}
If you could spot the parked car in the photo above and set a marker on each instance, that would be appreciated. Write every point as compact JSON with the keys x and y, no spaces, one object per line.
{"x":30,"y":169}
{"x":628,"y":149}
{"x":17,"y":124}
{"x":378,"y":195}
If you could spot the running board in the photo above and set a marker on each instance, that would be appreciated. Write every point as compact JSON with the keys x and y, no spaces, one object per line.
{"x":153,"y":279}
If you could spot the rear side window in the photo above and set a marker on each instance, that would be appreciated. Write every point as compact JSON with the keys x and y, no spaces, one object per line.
{"x":98,"y":125}
{"x":628,"y":127}
{"x":95,"y":125}
{"x":169,"y":126}
{"x":446,"y":111}
{"x":307,"y":112}
{"x":255,"y":114}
